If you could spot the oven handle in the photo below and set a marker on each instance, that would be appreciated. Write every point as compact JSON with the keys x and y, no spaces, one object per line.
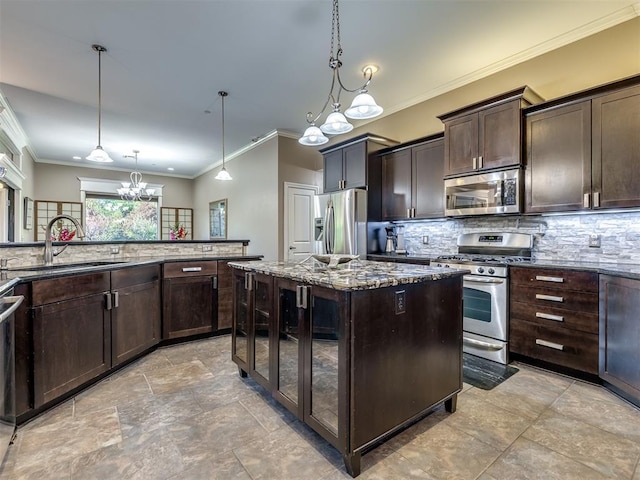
{"x":479,"y":343}
{"x":474,"y":279}
{"x":15,"y":301}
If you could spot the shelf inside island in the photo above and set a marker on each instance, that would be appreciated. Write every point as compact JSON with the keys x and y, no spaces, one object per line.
{"x":356,"y":352}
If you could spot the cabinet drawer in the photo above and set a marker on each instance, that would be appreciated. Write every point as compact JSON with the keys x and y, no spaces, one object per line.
{"x":548,"y":315}
{"x":190,"y":269}
{"x":554,"y":344}
{"x":73,"y":286}
{"x":555,"y":298}
{"x":557,"y":279}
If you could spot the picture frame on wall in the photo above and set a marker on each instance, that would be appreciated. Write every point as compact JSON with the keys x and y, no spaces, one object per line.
{"x":28,"y":213}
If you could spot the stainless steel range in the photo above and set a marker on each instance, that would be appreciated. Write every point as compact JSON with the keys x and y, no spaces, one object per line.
{"x":486,"y":288}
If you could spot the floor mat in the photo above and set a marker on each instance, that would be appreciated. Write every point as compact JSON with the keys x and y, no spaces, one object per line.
{"x":483,"y":373}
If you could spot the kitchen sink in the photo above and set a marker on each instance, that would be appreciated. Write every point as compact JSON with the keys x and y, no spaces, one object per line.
{"x":59,"y":266}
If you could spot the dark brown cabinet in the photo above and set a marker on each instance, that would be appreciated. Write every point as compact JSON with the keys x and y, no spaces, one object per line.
{"x":582,"y":152}
{"x":486,"y":135}
{"x":135,"y":312}
{"x":620,"y":335}
{"x":190,"y":298}
{"x":350,"y":165}
{"x":225,"y":296}
{"x":554,"y":316}
{"x":412,"y":185}
{"x":71,"y":333}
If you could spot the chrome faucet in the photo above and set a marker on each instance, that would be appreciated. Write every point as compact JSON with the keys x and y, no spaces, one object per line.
{"x":49,"y":252}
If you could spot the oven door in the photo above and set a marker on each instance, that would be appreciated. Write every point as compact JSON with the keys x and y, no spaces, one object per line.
{"x":485,"y":306}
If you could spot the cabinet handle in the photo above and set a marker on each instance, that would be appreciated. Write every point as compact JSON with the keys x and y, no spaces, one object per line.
{"x":543,"y":278}
{"x":409,"y":212}
{"x":413,"y":212}
{"x":551,"y":298}
{"x":301,"y":296}
{"x":480,"y":162}
{"x":545,"y":343}
{"x":548,"y":316}
{"x":214,"y":282}
{"x":116,"y":299}
{"x":596,"y":199}
{"x":107,"y":299}
{"x":192,"y":269}
{"x":586,"y":200}
{"x":475,"y":163}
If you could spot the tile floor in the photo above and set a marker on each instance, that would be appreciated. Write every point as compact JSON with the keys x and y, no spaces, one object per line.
{"x":183,"y":413}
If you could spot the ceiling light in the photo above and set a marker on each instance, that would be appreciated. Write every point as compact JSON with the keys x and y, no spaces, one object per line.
{"x":171,"y":169}
{"x":136,"y":189}
{"x":363,"y":106}
{"x":223,"y":174}
{"x":99,"y":155}
{"x":77,"y":157}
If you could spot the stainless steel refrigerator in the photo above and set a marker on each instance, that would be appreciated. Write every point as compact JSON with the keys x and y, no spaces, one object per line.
{"x":341,"y":222}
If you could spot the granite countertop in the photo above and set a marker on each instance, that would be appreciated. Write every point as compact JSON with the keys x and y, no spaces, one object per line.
{"x":355,"y":275}
{"x":15,"y":274}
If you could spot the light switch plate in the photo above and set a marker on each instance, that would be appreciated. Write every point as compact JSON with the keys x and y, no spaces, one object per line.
{"x":425,"y":239}
{"x":207,"y":248}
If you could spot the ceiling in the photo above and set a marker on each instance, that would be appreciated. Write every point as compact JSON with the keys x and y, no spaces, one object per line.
{"x":167,"y":59}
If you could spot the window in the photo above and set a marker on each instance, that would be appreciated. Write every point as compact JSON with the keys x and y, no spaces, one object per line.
{"x":46,"y":210}
{"x":110,"y":218}
{"x":174,"y":217}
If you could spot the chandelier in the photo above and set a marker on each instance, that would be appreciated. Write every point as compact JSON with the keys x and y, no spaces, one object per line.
{"x":223,"y":174}
{"x":362,"y":107}
{"x":98,"y":154}
{"x":136,"y":189}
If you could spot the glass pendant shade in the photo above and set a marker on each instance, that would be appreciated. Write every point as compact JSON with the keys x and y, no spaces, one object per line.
{"x":223,"y":175}
{"x":99,"y":155}
{"x":313,"y":136}
{"x":363,"y":106}
{"x":336,"y":124}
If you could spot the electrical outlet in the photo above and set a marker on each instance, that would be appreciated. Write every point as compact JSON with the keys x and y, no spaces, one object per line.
{"x":594,"y":241}
{"x":207,"y":248}
{"x":114,"y":250}
{"x":401,"y":306}
{"x":425,"y":239}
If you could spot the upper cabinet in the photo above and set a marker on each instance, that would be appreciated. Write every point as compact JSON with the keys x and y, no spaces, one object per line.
{"x":486,"y":135}
{"x":582,"y":151}
{"x":348,"y":164}
{"x":412,"y":185}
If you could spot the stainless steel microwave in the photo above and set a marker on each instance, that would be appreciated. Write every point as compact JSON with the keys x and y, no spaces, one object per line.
{"x":482,"y":194}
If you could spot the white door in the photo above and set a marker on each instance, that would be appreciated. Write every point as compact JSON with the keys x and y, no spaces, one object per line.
{"x":298,"y":221}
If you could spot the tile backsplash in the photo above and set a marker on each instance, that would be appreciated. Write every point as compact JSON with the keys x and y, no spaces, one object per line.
{"x":556,"y":237}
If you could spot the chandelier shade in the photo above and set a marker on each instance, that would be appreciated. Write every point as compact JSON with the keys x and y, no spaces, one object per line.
{"x":363,"y":106}
{"x":136,"y":189}
{"x":223,"y":174}
{"x":98,"y":154}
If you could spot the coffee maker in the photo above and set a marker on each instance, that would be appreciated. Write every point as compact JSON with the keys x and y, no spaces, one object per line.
{"x":390,"y":245}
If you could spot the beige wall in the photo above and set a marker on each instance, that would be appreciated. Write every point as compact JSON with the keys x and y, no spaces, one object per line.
{"x":252,"y":199}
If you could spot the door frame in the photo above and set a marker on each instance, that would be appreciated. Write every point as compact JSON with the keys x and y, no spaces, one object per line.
{"x":285,"y":221}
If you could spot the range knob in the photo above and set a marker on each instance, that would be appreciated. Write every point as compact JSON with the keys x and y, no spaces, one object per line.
{"x":491,"y":271}
{"x":480,"y":269}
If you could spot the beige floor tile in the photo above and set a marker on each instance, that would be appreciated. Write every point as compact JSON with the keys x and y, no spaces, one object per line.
{"x":527,"y":460}
{"x":610,"y":455}
{"x":270,"y":414}
{"x":224,"y":467}
{"x":111,"y":393}
{"x":173,"y":378}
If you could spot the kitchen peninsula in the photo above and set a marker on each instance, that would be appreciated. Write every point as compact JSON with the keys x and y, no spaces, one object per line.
{"x":356,"y":352}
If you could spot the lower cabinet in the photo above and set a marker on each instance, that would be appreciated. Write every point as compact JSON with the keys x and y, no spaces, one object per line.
{"x":350,"y":364}
{"x":620,"y":335}
{"x":190,"y":299}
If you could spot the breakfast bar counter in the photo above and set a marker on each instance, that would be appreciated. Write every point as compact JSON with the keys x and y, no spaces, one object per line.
{"x":357,"y":352}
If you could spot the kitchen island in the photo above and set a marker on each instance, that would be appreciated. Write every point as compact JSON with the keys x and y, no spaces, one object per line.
{"x":357,"y":352}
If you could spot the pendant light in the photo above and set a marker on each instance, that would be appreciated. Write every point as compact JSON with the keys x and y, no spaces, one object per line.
{"x":99,"y":155}
{"x":223,"y":174}
{"x":362,"y":107}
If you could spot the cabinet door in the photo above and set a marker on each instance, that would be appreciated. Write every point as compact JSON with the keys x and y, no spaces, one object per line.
{"x":396,"y":185}
{"x":616,"y":149}
{"x":135,"y":320}
{"x":354,"y":159}
{"x":558,"y":172}
{"x":427,"y":185}
{"x":190,"y":306}
{"x":460,"y":144}
{"x":240,"y":331}
{"x":260,"y":339}
{"x":71,"y":345}
{"x":333,"y":173}
{"x":225,"y":296}
{"x":499,"y":136}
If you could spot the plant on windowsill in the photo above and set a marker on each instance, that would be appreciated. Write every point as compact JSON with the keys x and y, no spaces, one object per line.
{"x":178,"y":232}
{"x":61,"y":233}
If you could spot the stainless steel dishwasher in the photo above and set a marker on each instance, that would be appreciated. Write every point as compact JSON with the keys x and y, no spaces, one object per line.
{"x":8,"y":304}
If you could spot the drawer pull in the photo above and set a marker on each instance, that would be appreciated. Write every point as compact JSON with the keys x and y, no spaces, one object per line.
{"x":543,"y":278}
{"x":545,"y":343}
{"x":551,"y":298}
{"x":192,"y":269}
{"x":548,"y":316}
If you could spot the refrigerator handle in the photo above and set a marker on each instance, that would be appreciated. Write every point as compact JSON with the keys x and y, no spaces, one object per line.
{"x":329,"y":224}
